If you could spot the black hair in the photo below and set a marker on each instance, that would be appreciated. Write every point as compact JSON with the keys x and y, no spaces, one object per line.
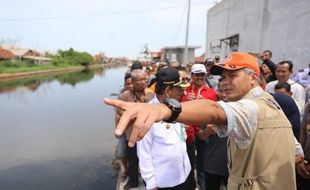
{"x":181,"y":68}
{"x":127,"y":76}
{"x":136,"y":65}
{"x":160,"y":87}
{"x":268,"y":51}
{"x":290,"y":64}
{"x":284,"y":85}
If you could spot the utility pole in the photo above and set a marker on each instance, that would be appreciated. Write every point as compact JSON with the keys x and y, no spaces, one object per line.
{"x":185,"y":57}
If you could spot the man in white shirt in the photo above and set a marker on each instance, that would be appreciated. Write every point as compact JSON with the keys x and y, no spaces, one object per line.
{"x":163,"y":159}
{"x":284,"y":71}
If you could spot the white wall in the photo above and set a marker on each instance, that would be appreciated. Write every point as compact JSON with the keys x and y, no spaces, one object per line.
{"x":283,"y":26}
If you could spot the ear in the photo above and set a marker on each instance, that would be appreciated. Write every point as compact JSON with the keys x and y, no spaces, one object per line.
{"x":255,"y":78}
{"x":167,"y":92}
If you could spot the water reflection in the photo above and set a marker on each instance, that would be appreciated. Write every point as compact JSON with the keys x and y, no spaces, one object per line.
{"x":33,"y":83}
{"x":56,"y":133}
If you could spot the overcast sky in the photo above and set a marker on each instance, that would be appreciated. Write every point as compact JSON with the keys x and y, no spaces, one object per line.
{"x":115,"y":27}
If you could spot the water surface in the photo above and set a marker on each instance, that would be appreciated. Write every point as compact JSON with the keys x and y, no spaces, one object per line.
{"x":56,"y":133}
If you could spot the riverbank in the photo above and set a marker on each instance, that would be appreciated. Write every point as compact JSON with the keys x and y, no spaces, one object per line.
{"x":11,"y":76}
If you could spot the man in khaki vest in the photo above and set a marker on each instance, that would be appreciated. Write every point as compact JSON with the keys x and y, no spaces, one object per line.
{"x":262,"y":150}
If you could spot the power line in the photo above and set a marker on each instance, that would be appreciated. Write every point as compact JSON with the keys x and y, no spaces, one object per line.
{"x":180,"y":24}
{"x":87,"y":15}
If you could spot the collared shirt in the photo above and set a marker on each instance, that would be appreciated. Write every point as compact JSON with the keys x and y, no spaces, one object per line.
{"x":130,"y":96}
{"x":299,"y":93}
{"x":163,"y":158}
{"x":192,"y":93}
{"x":303,"y":77}
{"x":213,"y":81}
{"x":242,"y":120}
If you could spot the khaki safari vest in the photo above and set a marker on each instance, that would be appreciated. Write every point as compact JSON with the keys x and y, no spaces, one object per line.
{"x":269,"y":161}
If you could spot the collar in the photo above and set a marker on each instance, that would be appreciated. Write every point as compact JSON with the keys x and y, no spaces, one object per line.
{"x":254,"y":93}
{"x":192,"y":87}
{"x":155,"y":100}
{"x":290,"y":81}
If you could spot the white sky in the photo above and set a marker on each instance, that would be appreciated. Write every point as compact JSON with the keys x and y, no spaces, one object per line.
{"x":115,"y":27}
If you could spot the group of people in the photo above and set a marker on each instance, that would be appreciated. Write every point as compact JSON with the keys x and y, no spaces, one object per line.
{"x":233,"y":124}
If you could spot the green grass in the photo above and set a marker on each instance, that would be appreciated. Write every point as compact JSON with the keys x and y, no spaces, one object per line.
{"x":16,"y":67}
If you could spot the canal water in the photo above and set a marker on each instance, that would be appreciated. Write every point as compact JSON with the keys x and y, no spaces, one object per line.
{"x":56,"y":133}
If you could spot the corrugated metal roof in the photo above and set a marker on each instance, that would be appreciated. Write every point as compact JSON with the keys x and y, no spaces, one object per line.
{"x":19,"y":52}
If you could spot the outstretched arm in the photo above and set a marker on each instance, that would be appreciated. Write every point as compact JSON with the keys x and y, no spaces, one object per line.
{"x":144,"y":115}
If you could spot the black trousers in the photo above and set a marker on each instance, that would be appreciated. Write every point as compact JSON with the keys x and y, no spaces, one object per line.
{"x":190,"y":183}
{"x":178,"y":187}
{"x":133,"y":165}
{"x":302,"y":183}
{"x":213,"y":182}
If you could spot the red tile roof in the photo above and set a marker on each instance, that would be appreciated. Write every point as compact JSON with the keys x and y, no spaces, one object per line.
{"x":5,"y":54}
{"x":200,"y":59}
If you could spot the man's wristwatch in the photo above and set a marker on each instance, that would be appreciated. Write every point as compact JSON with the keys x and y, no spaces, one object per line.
{"x":175,"y":108}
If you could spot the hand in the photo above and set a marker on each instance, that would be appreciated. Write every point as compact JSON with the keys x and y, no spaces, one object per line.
{"x":142,"y":116}
{"x":191,"y":96}
{"x":200,"y":97}
{"x":204,"y":134}
{"x":210,"y":130}
{"x":303,"y":170}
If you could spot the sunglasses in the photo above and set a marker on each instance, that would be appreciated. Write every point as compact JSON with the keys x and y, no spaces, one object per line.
{"x":185,"y":79}
{"x":199,"y":74}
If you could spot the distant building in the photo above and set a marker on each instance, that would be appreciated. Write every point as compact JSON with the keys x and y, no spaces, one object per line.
{"x":156,"y":56}
{"x":38,"y":59}
{"x":100,"y":58}
{"x":6,"y":54}
{"x":200,"y":59}
{"x":177,"y":54}
{"x":281,"y":26}
{"x":20,"y":53}
{"x":15,"y":54}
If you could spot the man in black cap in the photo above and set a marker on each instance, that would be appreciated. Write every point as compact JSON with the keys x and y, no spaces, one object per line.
{"x":211,"y":80}
{"x":163,"y":159}
{"x":217,"y":59}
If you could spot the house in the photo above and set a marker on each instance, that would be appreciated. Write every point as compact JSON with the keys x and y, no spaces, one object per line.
{"x":177,"y":54}
{"x":100,"y":58}
{"x":254,"y":26}
{"x":38,"y":59}
{"x":6,"y":54}
{"x":200,"y":59}
{"x":25,"y":54}
{"x":20,"y":53}
{"x":155,"y":55}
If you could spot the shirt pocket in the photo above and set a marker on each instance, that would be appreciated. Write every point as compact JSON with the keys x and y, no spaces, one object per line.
{"x":166,"y":137}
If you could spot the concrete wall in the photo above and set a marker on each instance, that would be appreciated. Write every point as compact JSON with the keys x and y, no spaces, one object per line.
{"x":283,"y":26}
{"x":177,"y":53}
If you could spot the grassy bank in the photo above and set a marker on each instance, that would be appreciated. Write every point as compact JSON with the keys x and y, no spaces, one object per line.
{"x":25,"y":72}
{"x":22,"y":66}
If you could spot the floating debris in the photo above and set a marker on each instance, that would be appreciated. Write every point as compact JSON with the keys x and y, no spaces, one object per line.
{"x":114,"y":94}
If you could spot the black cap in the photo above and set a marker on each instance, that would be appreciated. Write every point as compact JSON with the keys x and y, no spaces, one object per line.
{"x":170,"y":76}
{"x":209,"y":61}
